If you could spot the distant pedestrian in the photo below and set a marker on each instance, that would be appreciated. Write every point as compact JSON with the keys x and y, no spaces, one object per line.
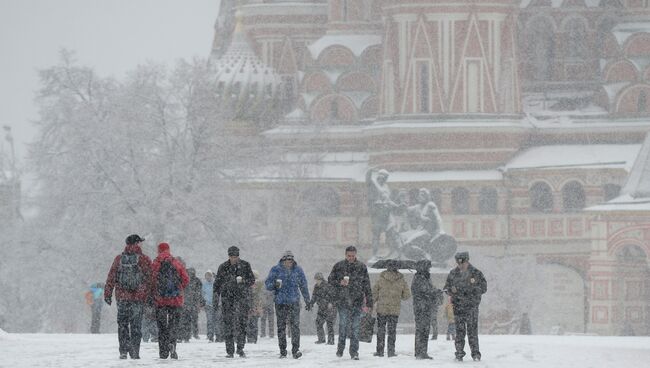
{"x":524,"y":325}
{"x":256,"y":309}
{"x":268,"y":314}
{"x":349,"y":278}
{"x":451,"y":323}
{"x":94,"y":299}
{"x":206,"y":290}
{"x":149,"y":324}
{"x":232,"y":285}
{"x":190,"y":311}
{"x":323,"y":296}
{"x":130,"y":276}
{"x":288,"y":281}
{"x":169,"y":281}
{"x":388,"y":293}
{"x":465,"y":284}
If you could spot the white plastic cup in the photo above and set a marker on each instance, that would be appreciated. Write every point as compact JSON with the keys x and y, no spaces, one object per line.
{"x":279,"y":282}
{"x":347,"y":279}
{"x":239,"y":279}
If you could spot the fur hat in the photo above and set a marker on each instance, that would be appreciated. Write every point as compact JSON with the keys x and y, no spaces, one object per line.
{"x":462,"y":255}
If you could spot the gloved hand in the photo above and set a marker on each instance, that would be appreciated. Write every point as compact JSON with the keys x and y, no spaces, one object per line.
{"x":108,"y":300}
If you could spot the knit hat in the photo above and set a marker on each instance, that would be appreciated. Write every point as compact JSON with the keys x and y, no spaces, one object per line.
{"x":233,"y":251}
{"x":287,"y":255}
{"x":163,"y":247}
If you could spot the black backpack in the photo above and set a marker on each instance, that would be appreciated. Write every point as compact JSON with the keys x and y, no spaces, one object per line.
{"x":169,"y":281}
{"x":129,"y":275}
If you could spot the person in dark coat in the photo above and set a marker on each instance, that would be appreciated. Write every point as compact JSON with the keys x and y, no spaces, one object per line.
{"x":130,"y":276}
{"x":193,"y":303}
{"x":323,"y":296}
{"x":351,"y":283}
{"x":232,"y":285}
{"x":425,"y":302}
{"x":287,"y":280}
{"x":169,"y":280}
{"x":465,"y":284}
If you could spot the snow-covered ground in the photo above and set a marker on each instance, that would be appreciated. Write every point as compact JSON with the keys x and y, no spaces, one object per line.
{"x":82,"y":351}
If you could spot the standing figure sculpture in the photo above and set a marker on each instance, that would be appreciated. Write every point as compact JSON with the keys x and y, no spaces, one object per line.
{"x":379,"y":205}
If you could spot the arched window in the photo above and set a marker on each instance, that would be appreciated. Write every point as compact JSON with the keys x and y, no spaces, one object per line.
{"x":631,"y":253}
{"x":576,"y":39}
{"x":642,"y":103}
{"x":541,"y":198}
{"x":541,"y":49}
{"x":334,"y":110}
{"x":573,"y":196}
{"x":321,"y":201}
{"x":460,"y":201}
{"x":488,"y":201}
{"x":611,"y":191}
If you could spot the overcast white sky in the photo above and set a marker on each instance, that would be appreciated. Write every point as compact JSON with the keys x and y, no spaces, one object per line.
{"x":113,"y":36}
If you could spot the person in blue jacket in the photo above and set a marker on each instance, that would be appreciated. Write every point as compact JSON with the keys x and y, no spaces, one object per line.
{"x":287,"y":280}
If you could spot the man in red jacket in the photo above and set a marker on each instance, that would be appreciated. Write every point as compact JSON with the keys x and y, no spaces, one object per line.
{"x":130,"y":276}
{"x":169,"y":280}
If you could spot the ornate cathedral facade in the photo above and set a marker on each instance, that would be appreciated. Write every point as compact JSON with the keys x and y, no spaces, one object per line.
{"x":526,"y":120}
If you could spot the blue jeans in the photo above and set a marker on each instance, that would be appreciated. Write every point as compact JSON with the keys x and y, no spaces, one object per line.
{"x":349,"y":318}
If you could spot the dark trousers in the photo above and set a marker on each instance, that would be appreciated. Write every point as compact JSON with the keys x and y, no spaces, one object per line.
{"x":386,"y":322}
{"x":349,"y":322}
{"x":422,"y":327}
{"x":129,"y":326}
{"x":268,"y":315}
{"x":251,"y":332}
{"x":168,"y":320}
{"x":189,"y":323}
{"x":466,"y":323}
{"x":288,"y":313}
{"x":210,"y":321}
{"x":218,"y":323}
{"x":235,"y":321}
{"x":434,"y":323}
{"x":96,"y":318}
{"x":325,"y":316}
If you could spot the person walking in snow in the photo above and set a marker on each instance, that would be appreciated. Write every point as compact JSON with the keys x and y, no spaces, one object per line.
{"x":130,"y":277}
{"x":169,"y":281}
{"x":206,"y":290}
{"x":287,"y":280}
{"x":323,"y":296}
{"x":94,"y":298}
{"x":451,"y":323}
{"x":349,"y":278}
{"x":425,"y":301}
{"x":232,"y":285}
{"x":465,"y":284}
{"x":268,"y":314}
{"x":388,"y":293}
{"x":193,"y":302}
{"x":257,"y":305}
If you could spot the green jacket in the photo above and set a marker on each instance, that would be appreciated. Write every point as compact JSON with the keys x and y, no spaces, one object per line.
{"x":388,"y":293}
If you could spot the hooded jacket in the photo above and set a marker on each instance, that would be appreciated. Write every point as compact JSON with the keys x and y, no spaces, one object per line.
{"x":142,"y":292}
{"x":389,"y":291}
{"x":425,"y":295}
{"x":176,"y":301}
{"x":294,"y":283}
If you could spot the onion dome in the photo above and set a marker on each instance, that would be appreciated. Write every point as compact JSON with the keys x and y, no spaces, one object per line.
{"x":247,"y":87}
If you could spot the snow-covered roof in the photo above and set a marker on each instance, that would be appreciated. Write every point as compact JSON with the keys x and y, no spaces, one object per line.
{"x":623,"y":203}
{"x":444,"y":176}
{"x":354,"y":42}
{"x":328,"y":171}
{"x":576,"y":156}
{"x":623,"y":31}
{"x":638,"y":183}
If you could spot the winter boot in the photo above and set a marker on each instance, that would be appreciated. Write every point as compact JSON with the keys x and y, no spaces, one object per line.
{"x":297,"y":355}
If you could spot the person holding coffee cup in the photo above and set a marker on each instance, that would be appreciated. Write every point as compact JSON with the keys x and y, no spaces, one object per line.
{"x":287,"y":280}
{"x":232,"y":285}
